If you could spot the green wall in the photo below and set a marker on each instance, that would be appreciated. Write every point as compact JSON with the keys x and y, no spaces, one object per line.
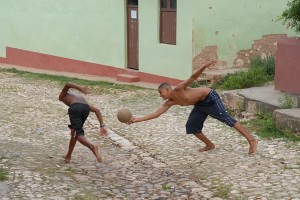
{"x":95,"y":30}
{"x":90,"y":30}
{"x":238,"y":22}
{"x":163,"y":59}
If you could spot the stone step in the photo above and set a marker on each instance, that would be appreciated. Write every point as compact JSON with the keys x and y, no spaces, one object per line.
{"x":132,"y":72}
{"x":287,"y":119}
{"x":203,"y":79}
{"x":237,"y":103}
{"x":218,"y":74}
{"x":263,"y":99}
{"x":127,"y":78}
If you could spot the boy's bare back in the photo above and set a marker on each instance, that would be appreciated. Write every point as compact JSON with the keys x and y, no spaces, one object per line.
{"x":189,"y":96}
{"x":71,"y":98}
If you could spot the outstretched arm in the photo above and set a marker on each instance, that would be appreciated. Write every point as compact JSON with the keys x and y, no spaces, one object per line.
{"x":153,"y":115}
{"x":195,"y":75}
{"x":103,"y":130}
{"x":64,"y":92}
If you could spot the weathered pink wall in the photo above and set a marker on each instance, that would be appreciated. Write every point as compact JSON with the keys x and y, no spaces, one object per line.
{"x":287,"y":69}
{"x":49,"y":62}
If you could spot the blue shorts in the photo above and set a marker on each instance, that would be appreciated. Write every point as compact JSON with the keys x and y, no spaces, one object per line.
{"x":212,"y":106}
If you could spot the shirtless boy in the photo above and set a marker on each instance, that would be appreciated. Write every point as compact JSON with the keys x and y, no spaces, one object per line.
{"x":206,"y":102}
{"x":78,"y":112}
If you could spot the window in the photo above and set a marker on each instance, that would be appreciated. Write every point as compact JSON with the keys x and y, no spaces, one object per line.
{"x":168,"y":21}
{"x":133,"y":2}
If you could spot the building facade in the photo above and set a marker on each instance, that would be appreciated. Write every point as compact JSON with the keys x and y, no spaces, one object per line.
{"x":153,"y":40}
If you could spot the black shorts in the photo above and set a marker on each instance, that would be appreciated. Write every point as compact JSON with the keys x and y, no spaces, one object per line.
{"x":212,"y":106}
{"x":78,"y":113}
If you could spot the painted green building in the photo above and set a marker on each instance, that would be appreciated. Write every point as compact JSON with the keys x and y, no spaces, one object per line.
{"x":158,"y":39}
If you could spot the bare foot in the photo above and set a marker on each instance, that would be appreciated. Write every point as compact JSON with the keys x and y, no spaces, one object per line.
{"x":253,"y":146}
{"x":96,"y":152}
{"x":207,"y":148}
{"x":67,"y":159}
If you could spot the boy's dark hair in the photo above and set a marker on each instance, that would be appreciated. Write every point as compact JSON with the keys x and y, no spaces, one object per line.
{"x":164,"y":85}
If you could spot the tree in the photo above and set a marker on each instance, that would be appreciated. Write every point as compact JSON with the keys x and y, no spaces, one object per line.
{"x":292,"y":15}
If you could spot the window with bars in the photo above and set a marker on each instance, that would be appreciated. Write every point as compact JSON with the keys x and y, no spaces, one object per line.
{"x":168,"y":21}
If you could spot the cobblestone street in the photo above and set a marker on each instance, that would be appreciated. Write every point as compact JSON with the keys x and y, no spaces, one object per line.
{"x":160,"y":162}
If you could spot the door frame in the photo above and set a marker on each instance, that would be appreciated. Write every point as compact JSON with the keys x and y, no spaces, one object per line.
{"x":132,"y":38}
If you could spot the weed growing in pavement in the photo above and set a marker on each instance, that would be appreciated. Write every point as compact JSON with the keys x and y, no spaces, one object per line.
{"x":260,"y":72}
{"x":3,"y":174}
{"x":287,"y":101}
{"x":167,"y":186}
{"x":220,"y":189}
{"x":223,"y":191}
{"x":86,"y":195}
{"x":64,"y":79}
{"x":265,"y":127}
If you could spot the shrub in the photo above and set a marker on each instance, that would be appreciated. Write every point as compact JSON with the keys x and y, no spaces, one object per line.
{"x":260,"y":72}
{"x":268,"y":64}
{"x":244,"y":79}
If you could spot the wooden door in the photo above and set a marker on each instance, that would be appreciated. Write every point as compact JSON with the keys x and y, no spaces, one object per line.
{"x":132,"y":37}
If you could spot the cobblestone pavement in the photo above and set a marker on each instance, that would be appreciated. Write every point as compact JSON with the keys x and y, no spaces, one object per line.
{"x":161,"y":163}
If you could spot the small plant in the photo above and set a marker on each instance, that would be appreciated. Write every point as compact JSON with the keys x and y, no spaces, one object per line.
{"x":220,"y":189}
{"x":167,"y":186}
{"x":292,"y":15}
{"x":287,"y":101}
{"x":223,"y":191}
{"x":3,"y":174}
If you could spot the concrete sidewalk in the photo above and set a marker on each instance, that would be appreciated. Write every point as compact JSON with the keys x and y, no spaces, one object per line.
{"x":266,"y":98}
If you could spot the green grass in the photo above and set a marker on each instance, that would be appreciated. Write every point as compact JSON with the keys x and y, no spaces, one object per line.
{"x":260,"y":72}
{"x":287,"y":101}
{"x":3,"y":174}
{"x":223,"y":191}
{"x":167,"y":186}
{"x":265,"y":127}
{"x":65,"y":79}
{"x":220,"y":189}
